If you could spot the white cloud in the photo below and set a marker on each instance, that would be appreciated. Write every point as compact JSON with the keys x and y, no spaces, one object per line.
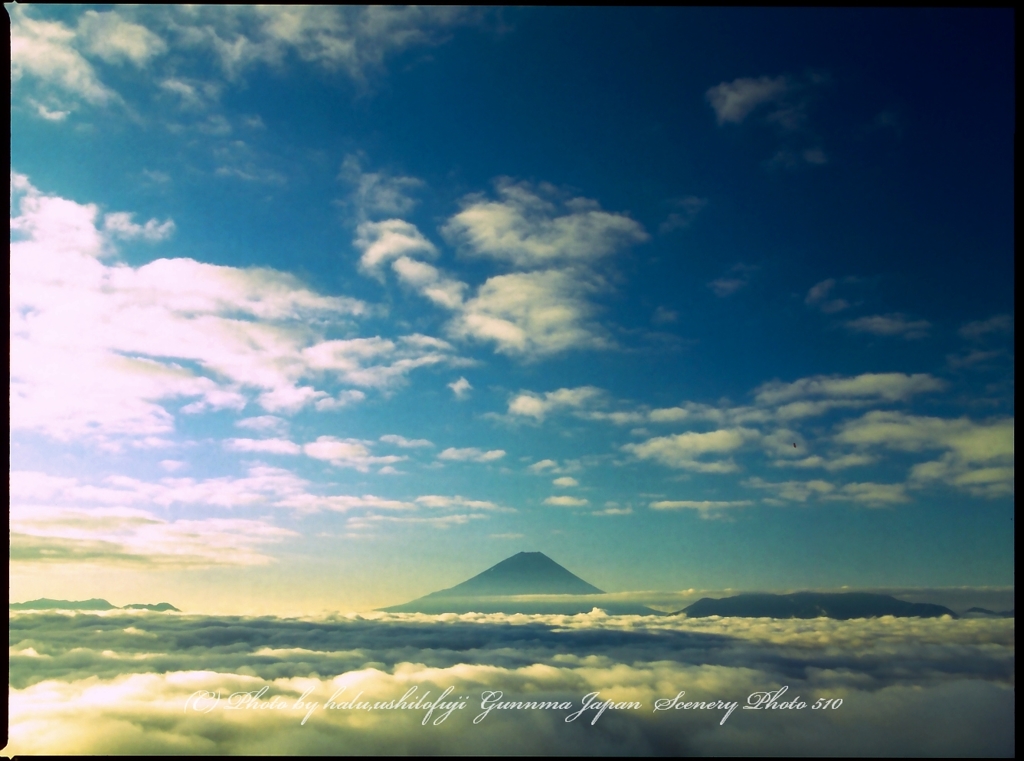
{"x":701,"y":505}
{"x":817,"y":296}
{"x":874,"y":387}
{"x":347,"y":453}
{"x":378,"y":192}
{"x":693,"y":411}
{"x":343,"y":503}
{"x":978,"y":457}
{"x":872,"y":494}
{"x":734,"y":101}
{"x":197,"y":95}
{"x":120,"y":225}
{"x":533,"y":314}
{"x":262,"y":485}
{"x":884,"y":668}
{"x":386,"y":241}
{"x":377,"y":362}
{"x":566,"y":481}
{"x":526,"y":314}
{"x":51,"y":115}
{"x":352,"y":39}
{"x":1000,"y":323}
{"x":343,"y":399}
{"x":682,"y":450}
{"x":98,"y":349}
{"x":109,"y":37}
{"x":867,"y":493}
{"x":45,"y":50}
{"x":894,"y":324}
{"x":538,"y":406}
{"x":525,"y":229}
{"x":456,"y":502}
{"x":789,"y":101}
{"x":831,"y":464}
{"x":430,"y":282}
{"x":793,"y":491}
{"x":781,"y":443}
{"x":460,"y":388}
{"x":543,"y":465}
{"x":613,"y":510}
{"x":401,"y":441}
{"x":269,"y":446}
{"x":131,"y":536}
{"x":267,"y":423}
{"x":471,"y":454}
{"x":172,"y":466}
{"x":972,"y":442}
{"x":564,"y":501}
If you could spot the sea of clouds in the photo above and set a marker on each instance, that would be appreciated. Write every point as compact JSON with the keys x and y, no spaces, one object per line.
{"x":141,"y":682}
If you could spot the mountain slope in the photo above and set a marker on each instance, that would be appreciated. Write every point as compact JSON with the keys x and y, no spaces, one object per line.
{"x":526,"y":573}
{"x":500,"y":588}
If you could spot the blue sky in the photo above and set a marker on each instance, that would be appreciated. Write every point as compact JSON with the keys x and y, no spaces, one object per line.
{"x":329,"y":308}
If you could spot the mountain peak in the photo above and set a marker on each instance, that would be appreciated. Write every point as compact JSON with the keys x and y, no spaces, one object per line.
{"x":525,"y":573}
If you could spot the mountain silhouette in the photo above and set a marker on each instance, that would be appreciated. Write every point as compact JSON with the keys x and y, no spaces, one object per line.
{"x":842,"y":605}
{"x":47,"y":604}
{"x":526,"y":573}
{"x":93,"y":604}
{"x":986,"y":613}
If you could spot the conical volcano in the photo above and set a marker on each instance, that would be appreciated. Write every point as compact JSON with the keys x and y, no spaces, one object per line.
{"x":503,"y":588}
{"x":526,"y":573}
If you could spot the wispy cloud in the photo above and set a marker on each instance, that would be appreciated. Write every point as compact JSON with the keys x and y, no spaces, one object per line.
{"x":734,"y":101}
{"x":529,"y":227}
{"x":471,"y":454}
{"x":267,"y":446}
{"x":894,"y":324}
{"x":401,"y":441}
{"x":348,"y":453}
{"x":527,"y":404}
{"x":136,"y":338}
{"x":784,"y":102}
{"x":738,"y":277}
{"x":565,"y":501}
{"x":818,"y":297}
{"x":120,"y":225}
{"x":460,"y":388}
{"x":685,"y":212}
{"x":1000,"y":323}
{"x":136,"y":537}
{"x":683,"y":450}
{"x":977,"y":457}
{"x":376,"y":194}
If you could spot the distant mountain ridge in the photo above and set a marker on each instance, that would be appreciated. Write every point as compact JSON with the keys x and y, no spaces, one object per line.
{"x":497,"y":590}
{"x":839,"y":605}
{"x":93,"y":604}
{"x":986,"y":613}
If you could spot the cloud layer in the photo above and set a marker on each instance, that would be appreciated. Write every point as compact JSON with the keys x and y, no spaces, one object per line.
{"x":122,"y":683}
